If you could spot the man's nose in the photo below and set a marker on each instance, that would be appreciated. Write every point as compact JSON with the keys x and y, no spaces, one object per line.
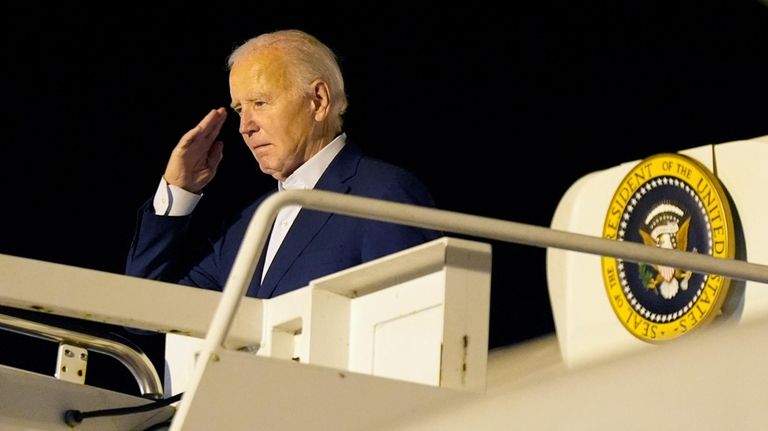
{"x":248,"y":125}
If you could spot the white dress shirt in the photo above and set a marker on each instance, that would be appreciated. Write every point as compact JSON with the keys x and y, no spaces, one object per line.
{"x":174,"y":201}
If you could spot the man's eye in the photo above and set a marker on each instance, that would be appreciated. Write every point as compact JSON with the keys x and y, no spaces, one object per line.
{"x":259,"y":103}
{"x":238,"y":110}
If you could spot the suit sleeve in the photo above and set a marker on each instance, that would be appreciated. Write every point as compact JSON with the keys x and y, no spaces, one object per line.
{"x":162,"y":250}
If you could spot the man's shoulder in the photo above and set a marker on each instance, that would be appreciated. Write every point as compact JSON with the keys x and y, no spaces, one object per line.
{"x":377,"y":174}
{"x":377,"y":168}
{"x":380,"y":179}
{"x":368,"y":166}
{"x":355,"y":167}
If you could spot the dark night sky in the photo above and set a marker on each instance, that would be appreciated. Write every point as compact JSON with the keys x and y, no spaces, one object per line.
{"x":518,"y":104}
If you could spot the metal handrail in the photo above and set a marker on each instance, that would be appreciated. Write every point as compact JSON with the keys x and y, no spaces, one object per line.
{"x":136,"y":361}
{"x":448,"y":221}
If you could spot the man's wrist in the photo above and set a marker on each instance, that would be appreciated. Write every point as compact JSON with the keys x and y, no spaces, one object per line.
{"x":171,"y":200}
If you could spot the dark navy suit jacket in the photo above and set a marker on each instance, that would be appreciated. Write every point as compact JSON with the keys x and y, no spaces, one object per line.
{"x":317,"y":244}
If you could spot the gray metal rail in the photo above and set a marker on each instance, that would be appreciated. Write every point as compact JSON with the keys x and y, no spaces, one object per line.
{"x":136,"y":361}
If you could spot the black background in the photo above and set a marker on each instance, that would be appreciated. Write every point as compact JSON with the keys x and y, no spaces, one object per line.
{"x":499,"y":112}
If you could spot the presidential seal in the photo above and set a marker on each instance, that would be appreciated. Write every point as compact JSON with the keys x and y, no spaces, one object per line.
{"x":669,"y":201}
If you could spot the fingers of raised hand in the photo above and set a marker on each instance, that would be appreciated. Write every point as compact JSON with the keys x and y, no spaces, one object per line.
{"x":204,"y":134}
{"x":211,"y":123}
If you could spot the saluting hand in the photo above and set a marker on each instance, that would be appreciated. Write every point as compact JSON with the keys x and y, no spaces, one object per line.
{"x":196,"y":157}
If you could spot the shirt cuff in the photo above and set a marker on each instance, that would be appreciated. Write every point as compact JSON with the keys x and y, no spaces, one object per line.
{"x":174,"y":201}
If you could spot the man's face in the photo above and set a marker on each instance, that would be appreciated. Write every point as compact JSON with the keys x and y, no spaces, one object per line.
{"x":276,"y":120}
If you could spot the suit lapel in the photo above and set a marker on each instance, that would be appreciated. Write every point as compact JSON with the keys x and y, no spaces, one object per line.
{"x":255,"y":286}
{"x":309,"y":223}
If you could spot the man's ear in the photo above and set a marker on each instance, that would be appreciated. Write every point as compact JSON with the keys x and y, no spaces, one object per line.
{"x":320,"y":99}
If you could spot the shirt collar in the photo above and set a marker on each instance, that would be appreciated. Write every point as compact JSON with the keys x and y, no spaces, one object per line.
{"x":308,"y":174}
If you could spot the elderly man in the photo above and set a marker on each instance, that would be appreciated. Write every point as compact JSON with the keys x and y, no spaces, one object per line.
{"x":288,"y":90}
